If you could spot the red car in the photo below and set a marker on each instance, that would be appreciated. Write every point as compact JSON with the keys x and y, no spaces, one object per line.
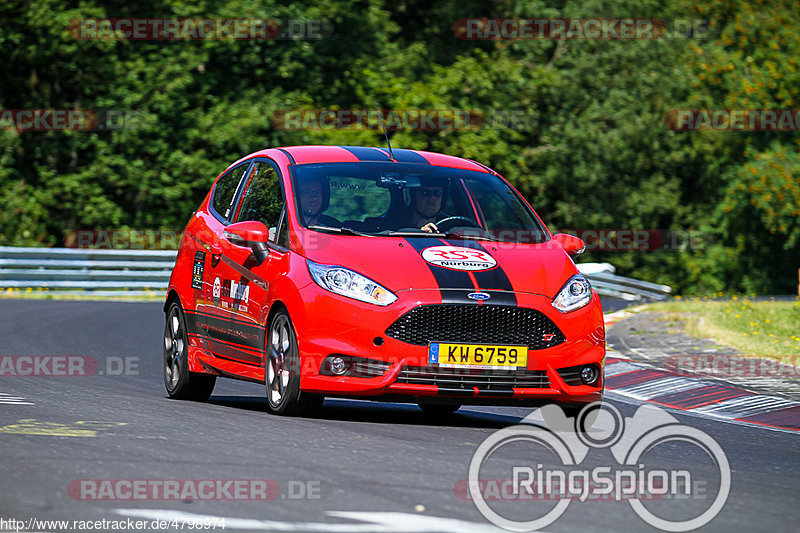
{"x":366,"y":273}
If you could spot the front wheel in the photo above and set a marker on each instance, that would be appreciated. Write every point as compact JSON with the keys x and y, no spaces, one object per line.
{"x":180,"y":383}
{"x":282,"y":372}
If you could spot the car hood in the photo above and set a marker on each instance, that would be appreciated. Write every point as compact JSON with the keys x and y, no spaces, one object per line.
{"x":430,"y":263}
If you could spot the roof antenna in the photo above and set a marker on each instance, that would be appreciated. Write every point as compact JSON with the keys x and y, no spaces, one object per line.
{"x":386,"y":135}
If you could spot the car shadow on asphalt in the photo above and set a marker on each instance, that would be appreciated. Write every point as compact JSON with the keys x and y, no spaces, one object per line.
{"x":380,"y":413}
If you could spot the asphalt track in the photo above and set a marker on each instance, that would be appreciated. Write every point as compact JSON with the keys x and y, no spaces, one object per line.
{"x":367,"y":466}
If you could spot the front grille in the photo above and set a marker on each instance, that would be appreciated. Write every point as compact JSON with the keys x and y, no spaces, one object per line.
{"x":484,"y":324}
{"x":463,"y":379}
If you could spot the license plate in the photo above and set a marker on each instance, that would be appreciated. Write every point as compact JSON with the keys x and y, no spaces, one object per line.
{"x":484,"y":356}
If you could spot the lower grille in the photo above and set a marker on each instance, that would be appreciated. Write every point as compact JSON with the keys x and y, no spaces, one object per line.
{"x":486,"y":324}
{"x":464,"y":380}
{"x":571,"y":375}
{"x":369,"y":368}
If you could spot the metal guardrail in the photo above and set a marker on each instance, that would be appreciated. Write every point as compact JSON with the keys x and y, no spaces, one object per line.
{"x":86,"y":271}
{"x":89,"y":271}
{"x":606,"y":283}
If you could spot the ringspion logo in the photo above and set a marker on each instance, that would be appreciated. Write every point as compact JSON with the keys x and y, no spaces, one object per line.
{"x":648,"y":469}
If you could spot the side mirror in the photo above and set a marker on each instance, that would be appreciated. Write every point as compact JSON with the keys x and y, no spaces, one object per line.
{"x":252,"y":234}
{"x":571,"y":244}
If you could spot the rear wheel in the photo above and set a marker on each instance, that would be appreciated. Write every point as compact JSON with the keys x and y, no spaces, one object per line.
{"x":439,"y":409}
{"x":282,"y":372}
{"x":180,"y":383}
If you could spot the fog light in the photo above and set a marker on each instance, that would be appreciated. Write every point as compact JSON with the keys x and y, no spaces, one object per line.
{"x":589,"y":375}
{"x":337,"y":365}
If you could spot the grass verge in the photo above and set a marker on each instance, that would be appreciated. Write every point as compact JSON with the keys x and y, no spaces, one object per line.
{"x":755,"y":328}
{"x":109,"y":296}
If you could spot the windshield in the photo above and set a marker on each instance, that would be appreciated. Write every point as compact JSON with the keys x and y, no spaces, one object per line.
{"x":376,"y":198}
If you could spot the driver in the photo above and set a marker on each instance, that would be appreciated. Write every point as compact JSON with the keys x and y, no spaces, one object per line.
{"x":426,"y":207}
{"x":315,"y":196}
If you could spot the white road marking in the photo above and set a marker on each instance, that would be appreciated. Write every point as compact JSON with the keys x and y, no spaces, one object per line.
{"x":728,"y":410}
{"x":620,"y":367}
{"x":6,"y":399}
{"x":377,"y":522}
{"x":745,"y":406}
{"x":659,"y":387}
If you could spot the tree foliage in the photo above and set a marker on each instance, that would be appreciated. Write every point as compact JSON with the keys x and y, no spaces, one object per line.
{"x":588,"y":145}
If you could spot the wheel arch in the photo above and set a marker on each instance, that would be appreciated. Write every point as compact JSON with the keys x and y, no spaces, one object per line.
{"x":172,"y":296}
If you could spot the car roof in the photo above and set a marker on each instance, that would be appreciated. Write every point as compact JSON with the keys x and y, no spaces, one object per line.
{"x":301,"y":155}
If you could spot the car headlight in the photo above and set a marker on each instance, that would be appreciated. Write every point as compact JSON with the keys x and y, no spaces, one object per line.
{"x":573,"y":295}
{"x":351,"y":284}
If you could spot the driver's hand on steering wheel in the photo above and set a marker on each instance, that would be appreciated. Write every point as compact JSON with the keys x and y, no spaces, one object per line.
{"x":430,"y":227}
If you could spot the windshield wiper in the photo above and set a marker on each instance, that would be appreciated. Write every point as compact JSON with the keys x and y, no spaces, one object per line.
{"x":487,"y":237}
{"x":342,"y":230}
{"x":413,"y":234}
{"x":440,"y":235}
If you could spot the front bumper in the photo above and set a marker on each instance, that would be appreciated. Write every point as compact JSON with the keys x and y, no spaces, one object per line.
{"x":337,"y":325}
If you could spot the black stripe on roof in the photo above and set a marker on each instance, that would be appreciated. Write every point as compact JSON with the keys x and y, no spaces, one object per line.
{"x":367,"y":154}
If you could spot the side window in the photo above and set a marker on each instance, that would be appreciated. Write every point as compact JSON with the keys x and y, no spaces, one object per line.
{"x":501,"y":207}
{"x":225,"y":189}
{"x":263,"y":198}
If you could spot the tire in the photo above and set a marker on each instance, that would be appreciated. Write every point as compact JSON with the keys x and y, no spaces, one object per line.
{"x":180,"y":383}
{"x":282,"y":371}
{"x":438,"y":410}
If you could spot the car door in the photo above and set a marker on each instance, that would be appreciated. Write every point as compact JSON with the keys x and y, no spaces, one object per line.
{"x":208,"y":321}
{"x":241,"y":294}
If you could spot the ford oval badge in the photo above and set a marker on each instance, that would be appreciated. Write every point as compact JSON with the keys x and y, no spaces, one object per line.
{"x":478,"y":296}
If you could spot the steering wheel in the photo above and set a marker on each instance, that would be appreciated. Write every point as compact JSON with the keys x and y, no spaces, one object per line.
{"x":449,"y":223}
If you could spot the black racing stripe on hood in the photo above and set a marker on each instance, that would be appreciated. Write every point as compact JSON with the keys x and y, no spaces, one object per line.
{"x":490,"y":280}
{"x":459,"y":296}
{"x":446,"y":278}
